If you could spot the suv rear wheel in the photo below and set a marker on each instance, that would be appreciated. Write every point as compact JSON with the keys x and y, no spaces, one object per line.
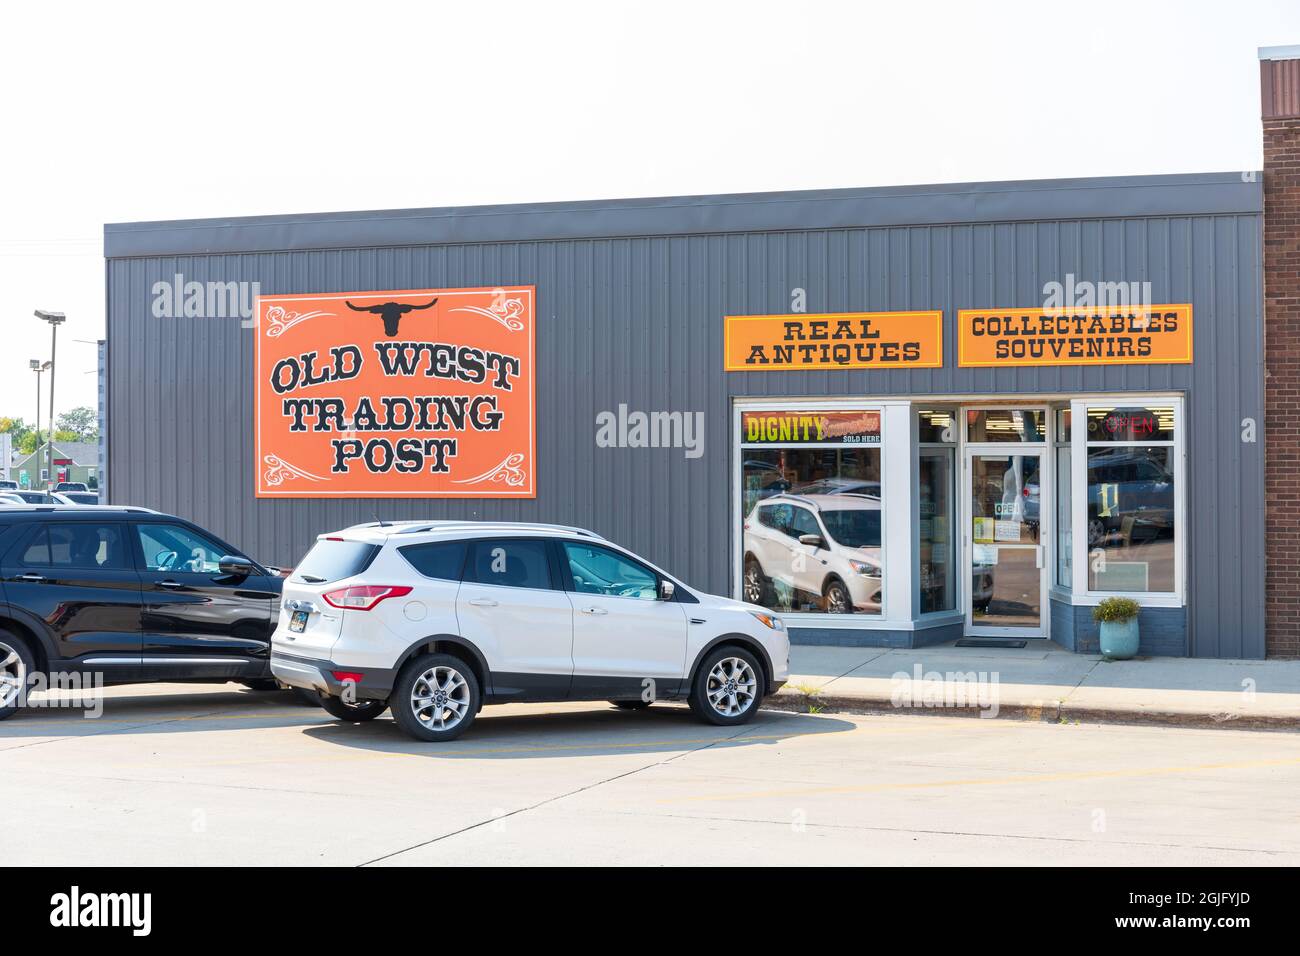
{"x":16,"y":665}
{"x":436,"y":697}
{"x":727,"y":687}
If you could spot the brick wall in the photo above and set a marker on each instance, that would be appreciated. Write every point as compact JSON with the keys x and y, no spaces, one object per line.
{"x":1280,"y":88}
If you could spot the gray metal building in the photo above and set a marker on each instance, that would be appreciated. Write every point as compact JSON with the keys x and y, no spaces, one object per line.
{"x":631,"y":297}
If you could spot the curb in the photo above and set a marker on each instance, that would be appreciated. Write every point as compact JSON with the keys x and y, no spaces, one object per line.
{"x":1048,"y":711}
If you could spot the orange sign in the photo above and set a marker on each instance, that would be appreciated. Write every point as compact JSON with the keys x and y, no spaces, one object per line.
{"x":414,"y":394}
{"x":1153,"y":335}
{"x":767,"y":343}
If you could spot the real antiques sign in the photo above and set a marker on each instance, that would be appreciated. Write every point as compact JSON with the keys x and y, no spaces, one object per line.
{"x":838,"y":340}
{"x":408,"y":394}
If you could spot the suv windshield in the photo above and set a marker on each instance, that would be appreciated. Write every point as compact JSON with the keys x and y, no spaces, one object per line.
{"x":856,"y":528}
{"x":333,"y":560}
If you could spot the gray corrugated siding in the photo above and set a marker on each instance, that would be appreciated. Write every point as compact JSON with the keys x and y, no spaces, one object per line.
{"x":639,"y":321}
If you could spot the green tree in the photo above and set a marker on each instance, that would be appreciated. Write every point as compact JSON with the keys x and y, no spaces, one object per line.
{"x":82,"y":422}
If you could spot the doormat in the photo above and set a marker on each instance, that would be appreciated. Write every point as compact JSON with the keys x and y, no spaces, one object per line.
{"x":989,"y":642}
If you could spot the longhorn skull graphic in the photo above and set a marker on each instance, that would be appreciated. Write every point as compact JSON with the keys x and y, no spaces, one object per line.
{"x":390,"y":312}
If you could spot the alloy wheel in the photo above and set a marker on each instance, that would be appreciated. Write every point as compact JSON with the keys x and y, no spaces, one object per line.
{"x":732,"y":687}
{"x":440,"y":697}
{"x":753,"y":584}
{"x":837,"y":599}
{"x":13,"y":674}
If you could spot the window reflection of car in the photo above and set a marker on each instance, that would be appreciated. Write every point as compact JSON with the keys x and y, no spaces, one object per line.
{"x":838,"y":486}
{"x":1129,"y":490}
{"x":823,"y":546}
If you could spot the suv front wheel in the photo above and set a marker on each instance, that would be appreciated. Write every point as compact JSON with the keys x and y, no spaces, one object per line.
{"x":436,"y":697}
{"x":727,"y":687}
{"x":16,"y":665}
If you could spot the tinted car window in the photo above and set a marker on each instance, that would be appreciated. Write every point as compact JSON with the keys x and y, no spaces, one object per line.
{"x":77,"y":545}
{"x":334,"y":560}
{"x":171,"y":547}
{"x":854,"y":528}
{"x":803,"y":522}
{"x":439,"y":559}
{"x":599,"y":570}
{"x":510,"y":563}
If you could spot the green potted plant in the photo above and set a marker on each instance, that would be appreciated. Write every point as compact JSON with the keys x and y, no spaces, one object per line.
{"x":1118,"y":617}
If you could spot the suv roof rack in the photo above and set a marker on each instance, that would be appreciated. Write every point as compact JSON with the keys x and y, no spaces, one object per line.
{"x":452,"y":525}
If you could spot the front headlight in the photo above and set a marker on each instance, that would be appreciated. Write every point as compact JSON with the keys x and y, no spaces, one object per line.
{"x":771,"y":620}
{"x":863,"y":568}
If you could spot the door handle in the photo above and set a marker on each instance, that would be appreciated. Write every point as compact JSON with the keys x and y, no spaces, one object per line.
{"x":593,"y":610}
{"x":32,"y":578}
{"x":483,"y":602}
{"x":170,"y":585}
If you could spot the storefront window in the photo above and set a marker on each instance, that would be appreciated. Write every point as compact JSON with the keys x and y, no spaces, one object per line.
{"x":1064,"y":534}
{"x":1131,"y":513}
{"x":812,"y":535}
{"x":937,"y":557}
{"x":1005,"y":425}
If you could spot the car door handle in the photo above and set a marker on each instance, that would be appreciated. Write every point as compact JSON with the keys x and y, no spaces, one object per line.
{"x":483,"y":602}
{"x":170,"y":585}
{"x":593,"y":610}
{"x":32,"y":578}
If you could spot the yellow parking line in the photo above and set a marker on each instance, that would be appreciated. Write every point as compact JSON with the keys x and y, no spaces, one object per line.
{"x":992,"y":781}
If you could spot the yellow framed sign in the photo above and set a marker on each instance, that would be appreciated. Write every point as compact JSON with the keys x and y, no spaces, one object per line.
{"x":833,"y":340}
{"x":1151,"y":335}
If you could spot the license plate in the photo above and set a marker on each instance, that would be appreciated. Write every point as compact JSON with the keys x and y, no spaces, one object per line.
{"x":298,"y":622}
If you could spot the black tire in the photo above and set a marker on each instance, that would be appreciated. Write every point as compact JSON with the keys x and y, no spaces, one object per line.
{"x":704,"y":686}
{"x":357,"y":713}
{"x":631,"y":704}
{"x":756,"y":586}
{"x":836,"y":598}
{"x":419,"y":721}
{"x":261,"y":683}
{"x":17,"y":664}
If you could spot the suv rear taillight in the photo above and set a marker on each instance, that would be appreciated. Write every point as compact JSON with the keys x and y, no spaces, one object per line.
{"x":363,"y":597}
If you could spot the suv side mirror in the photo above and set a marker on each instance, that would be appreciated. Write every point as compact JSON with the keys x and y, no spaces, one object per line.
{"x":236,"y":566}
{"x":812,"y":540}
{"x":666,"y":589}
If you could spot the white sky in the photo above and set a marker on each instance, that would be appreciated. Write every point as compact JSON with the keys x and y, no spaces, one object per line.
{"x":126,"y":111}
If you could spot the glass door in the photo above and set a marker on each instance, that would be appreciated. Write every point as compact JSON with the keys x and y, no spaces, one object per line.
{"x":1007,"y":595}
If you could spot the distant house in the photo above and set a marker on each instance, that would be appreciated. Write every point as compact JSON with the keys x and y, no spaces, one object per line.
{"x":73,"y":461}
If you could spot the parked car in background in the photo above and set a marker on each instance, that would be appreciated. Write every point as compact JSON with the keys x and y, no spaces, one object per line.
{"x":433,"y":619}
{"x":130,"y":594}
{"x":71,"y":486}
{"x":35,"y":497}
{"x":8,"y":498}
{"x":824,"y":546}
{"x":8,"y":484}
{"x":1129,"y":486}
{"x":77,"y":497}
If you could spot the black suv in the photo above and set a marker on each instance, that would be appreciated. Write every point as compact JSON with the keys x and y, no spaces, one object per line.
{"x":132,"y":594}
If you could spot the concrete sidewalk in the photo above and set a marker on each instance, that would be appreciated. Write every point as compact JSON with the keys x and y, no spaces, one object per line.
{"x":1045,"y":682}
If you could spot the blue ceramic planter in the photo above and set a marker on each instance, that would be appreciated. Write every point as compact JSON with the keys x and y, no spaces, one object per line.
{"x":1119,"y":641}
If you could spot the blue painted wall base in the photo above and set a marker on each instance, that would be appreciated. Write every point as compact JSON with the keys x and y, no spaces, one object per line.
{"x":1163,"y":630}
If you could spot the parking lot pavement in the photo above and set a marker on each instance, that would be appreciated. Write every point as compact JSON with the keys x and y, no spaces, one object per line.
{"x":177,"y":774}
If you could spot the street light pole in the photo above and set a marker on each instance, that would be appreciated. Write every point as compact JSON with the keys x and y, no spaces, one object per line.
{"x":55,"y":319}
{"x":38,"y":367}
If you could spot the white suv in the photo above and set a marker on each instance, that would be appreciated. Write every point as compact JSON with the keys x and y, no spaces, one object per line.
{"x":433,"y":619}
{"x":824,"y":546}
